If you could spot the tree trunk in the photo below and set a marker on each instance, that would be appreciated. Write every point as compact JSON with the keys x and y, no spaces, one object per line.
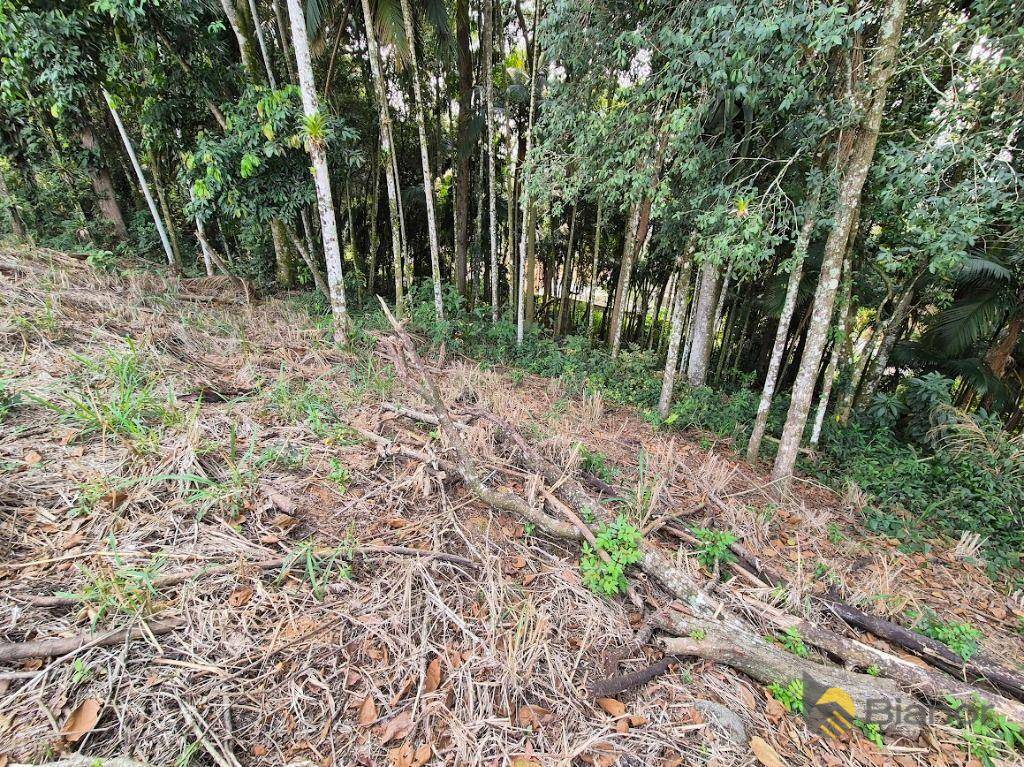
{"x":618,"y":306}
{"x":890,"y":334}
{"x":487,"y":55}
{"x":164,"y":207}
{"x":283,"y":34}
{"x":847,"y":207}
{"x":703,"y":320}
{"x":563,"y":303}
{"x":309,"y":257}
{"x":205,"y":247}
{"x":321,"y":174}
{"x":833,"y":361}
{"x":262,"y":44}
{"x":99,"y":176}
{"x":428,"y":178}
{"x":675,"y":334}
{"x":462,"y":149}
{"x":384,"y":118}
{"x":171,"y":260}
{"x":10,"y":204}
{"x":527,"y":241}
{"x":591,"y":305}
{"x":999,"y":356}
{"x":239,"y":18}
{"x":282,"y":254}
{"x":371,"y":266}
{"x":771,"y":379}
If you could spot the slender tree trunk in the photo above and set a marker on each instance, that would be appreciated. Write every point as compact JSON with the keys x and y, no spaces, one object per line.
{"x":492,"y":223}
{"x":257,"y":27}
{"x":10,"y":204}
{"x":591,"y":305}
{"x":530,"y":281}
{"x":283,"y":34}
{"x":371,"y":267}
{"x":703,"y":325}
{"x":321,"y":174}
{"x":691,"y":324}
{"x":282,"y":254}
{"x":239,"y":18}
{"x":622,"y":283}
{"x":683,"y":266}
{"x":174,"y":264}
{"x":833,"y":361}
{"x":771,"y":379}
{"x":563,"y":303}
{"x":101,"y":183}
{"x":845,"y":406}
{"x":998,"y":357}
{"x":165,"y":209}
{"x":309,"y":257}
{"x":847,"y":207}
{"x":884,"y":346}
{"x":386,"y":155}
{"x":428,"y":178}
{"x":528,"y":238}
{"x":462,"y":149}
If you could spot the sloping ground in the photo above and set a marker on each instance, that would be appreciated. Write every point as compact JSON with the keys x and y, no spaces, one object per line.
{"x":183,"y":463}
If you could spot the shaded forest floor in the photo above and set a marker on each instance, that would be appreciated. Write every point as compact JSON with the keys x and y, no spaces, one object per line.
{"x":348,"y":606}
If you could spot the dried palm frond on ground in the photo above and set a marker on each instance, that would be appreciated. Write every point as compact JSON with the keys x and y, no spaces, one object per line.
{"x":155,"y":437}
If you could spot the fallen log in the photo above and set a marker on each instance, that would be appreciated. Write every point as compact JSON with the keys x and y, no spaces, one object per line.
{"x":57,"y":646}
{"x":176,"y":579}
{"x":730,"y":642}
{"x":977,"y":667}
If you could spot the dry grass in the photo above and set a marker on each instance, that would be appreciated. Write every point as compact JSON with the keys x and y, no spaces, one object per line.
{"x":344,"y":660}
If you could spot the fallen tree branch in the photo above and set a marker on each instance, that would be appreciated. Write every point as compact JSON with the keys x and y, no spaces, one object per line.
{"x":730,"y":642}
{"x":177,"y":579}
{"x":56,"y":646}
{"x":979,"y":667}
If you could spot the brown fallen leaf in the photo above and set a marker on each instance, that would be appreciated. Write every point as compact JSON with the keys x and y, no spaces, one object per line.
{"x":423,"y":754}
{"x":82,"y":719}
{"x":397,"y":728}
{"x":32,"y":458}
{"x":258,"y":750}
{"x":433,"y":678}
{"x":612,"y":707}
{"x":367,"y":712}
{"x":240,"y":596}
{"x":765,"y":754}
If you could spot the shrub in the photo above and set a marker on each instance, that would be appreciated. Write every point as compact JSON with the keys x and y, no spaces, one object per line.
{"x":621,"y":542}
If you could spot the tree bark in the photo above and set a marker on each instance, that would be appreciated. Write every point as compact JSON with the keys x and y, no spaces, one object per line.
{"x":487,"y":54}
{"x":171,"y":260}
{"x":527,"y":240}
{"x":591,"y":305}
{"x":563,"y":303}
{"x":240,"y":21}
{"x":675,"y":334}
{"x":703,"y":320}
{"x":833,"y":362}
{"x":321,"y":174}
{"x":10,"y":204}
{"x":884,"y":346}
{"x":847,"y":207}
{"x":258,"y":29}
{"x":384,"y":119}
{"x":428,"y":178}
{"x":771,"y":379}
{"x":618,"y":306}
{"x":165,"y":209}
{"x":102,"y":185}
{"x":999,"y":356}
{"x":462,"y":149}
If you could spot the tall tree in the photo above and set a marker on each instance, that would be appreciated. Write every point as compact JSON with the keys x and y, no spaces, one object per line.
{"x":850,"y":187}
{"x":316,"y":145}
{"x":462,"y":141}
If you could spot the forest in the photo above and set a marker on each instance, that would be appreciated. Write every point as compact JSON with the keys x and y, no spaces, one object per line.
{"x":741,"y":278}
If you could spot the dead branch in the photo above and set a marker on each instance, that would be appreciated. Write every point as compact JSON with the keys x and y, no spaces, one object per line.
{"x":177,"y":579}
{"x":56,"y":646}
{"x":730,"y":642}
{"x":978,"y":667}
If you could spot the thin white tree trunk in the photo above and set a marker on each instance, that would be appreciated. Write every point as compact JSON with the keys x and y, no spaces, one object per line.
{"x":241,"y":35}
{"x":527,"y":207}
{"x":591,"y":305}
{"x":492,"y":224}
{"x":691,"y":314}
{"x":204,"y":246}
{"x":847,"y":207}
{"x":384,"y":118}
{"x":703,"y":325}
{"x":629,"y":248}
{"x":321,"y":174}
{"x":833,"y":360}
{"x":676,"y":333}
{"x":154,"y":212}
{"x":428,"y":179}
{"x":796,"y":271}
{"x":262,"y":43}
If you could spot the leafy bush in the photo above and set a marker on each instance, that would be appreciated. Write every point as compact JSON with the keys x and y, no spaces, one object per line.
{"x":713,"y":551}
{"x":621,"y":542}
{"x":791,"y":695}
{"x":723,"y":414}
{"x":989,"y":736}
{"x":961,"y":638}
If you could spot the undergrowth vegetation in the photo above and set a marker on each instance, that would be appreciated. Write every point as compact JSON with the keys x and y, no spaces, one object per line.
{"x":925,"y":469}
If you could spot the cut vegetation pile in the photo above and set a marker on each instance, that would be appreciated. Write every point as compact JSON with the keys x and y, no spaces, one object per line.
{"x":225,"y":542}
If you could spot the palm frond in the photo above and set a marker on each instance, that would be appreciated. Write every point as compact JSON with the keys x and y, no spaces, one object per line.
{"x":390,"y":27}
{"x":958,"y":328}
